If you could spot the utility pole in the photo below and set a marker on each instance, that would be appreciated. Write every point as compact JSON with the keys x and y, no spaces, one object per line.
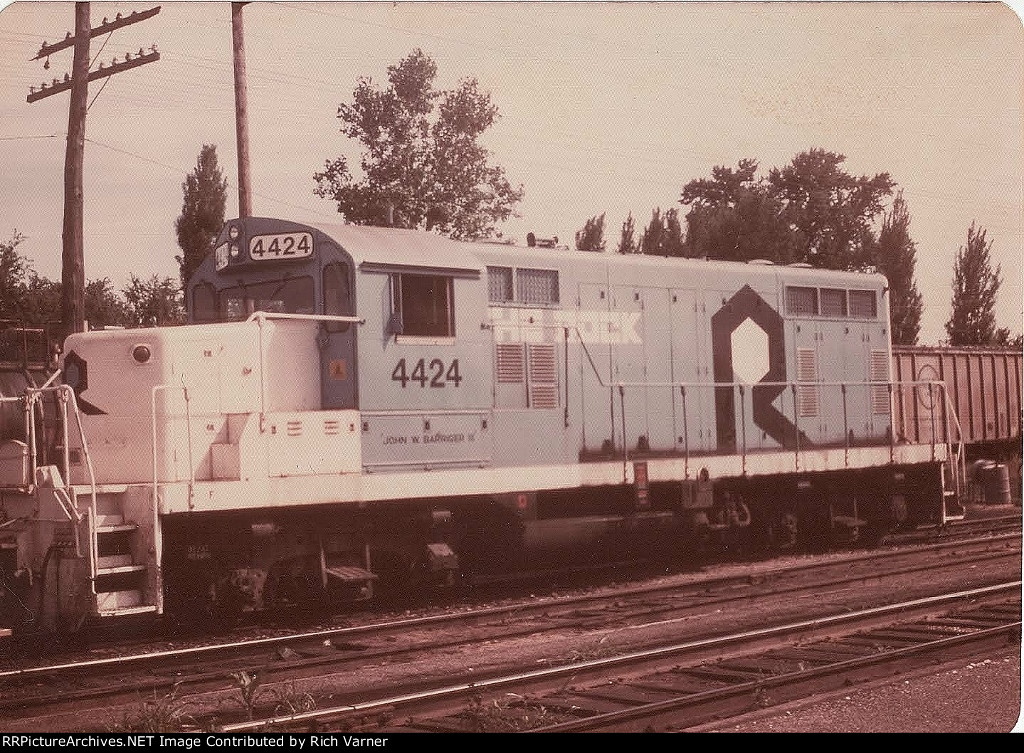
{"x":72,"y":255}
{"x":72,"y":301}
{"x":241,"y":114}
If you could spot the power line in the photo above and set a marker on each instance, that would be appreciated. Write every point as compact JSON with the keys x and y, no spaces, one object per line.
{"x":29,"y":138}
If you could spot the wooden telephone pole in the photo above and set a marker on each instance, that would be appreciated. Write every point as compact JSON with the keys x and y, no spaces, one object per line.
{"x":241,"y":112}
{"x":72,"y":257}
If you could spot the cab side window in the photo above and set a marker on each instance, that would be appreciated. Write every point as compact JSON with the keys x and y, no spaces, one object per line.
{"x":337,"y":296}
{"x":422,"y":305}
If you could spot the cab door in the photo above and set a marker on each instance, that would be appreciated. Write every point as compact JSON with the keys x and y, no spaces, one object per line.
{"x":337,"y":341}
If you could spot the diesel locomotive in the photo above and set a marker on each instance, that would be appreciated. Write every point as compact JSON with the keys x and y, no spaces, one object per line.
{"x":352,"y":410}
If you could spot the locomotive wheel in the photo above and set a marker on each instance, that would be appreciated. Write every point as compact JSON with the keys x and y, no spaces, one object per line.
{"x":396,"y":575}
{"x":784,"y":530}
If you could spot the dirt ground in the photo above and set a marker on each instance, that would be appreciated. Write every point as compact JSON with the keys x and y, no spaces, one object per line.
{"x":977,"y":696}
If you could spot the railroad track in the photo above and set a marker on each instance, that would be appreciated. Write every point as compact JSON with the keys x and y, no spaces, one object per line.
{"x":618,"y":696}
{"x":52,"y":697}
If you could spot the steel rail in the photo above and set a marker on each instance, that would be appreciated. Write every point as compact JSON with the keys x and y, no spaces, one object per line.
{"x":573,"y":669}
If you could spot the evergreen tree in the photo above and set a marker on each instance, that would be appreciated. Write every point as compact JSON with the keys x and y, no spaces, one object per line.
{"x":591,"y":236}
{"x":664,"y":234}
{"x":202,"y":211}
{"x":627,"y":240}
{"x":975,"y":285}
{"x":896,"y":258}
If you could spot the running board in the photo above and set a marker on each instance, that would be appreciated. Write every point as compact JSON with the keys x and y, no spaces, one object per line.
{"x":350,"y":574}
{"x":121,"y":604}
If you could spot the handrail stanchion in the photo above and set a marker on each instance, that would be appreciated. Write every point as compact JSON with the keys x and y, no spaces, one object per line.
{"x":743,"y":430}
{"x":846,"y":428}
{"x":796,"y":429}
{"x":686,"y":435}
{"x":892,"y":424}
{"x":931,"y":412}
{"x":625,"y":449}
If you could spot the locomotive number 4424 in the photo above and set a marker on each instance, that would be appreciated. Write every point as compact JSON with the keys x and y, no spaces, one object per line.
{"x":281,"y":246}
{"x":424,"y":372}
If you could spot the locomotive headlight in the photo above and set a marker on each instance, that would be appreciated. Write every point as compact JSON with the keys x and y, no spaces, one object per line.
{"x":142,"y":353}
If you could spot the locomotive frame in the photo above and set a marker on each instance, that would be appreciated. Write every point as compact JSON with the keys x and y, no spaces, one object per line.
{"x":356,"y":409}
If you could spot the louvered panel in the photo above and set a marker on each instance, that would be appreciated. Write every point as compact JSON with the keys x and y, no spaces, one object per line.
{"x":544,"y":396}
{"x":510,"y":363}
{"x":542,"y":364}
{"x":806,"y":371}
{"x":878,"y":368}
{"x":543,"y":376}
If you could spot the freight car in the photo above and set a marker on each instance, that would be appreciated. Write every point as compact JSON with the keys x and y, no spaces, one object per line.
{"x":353,"y":410}
{"x":983,"y":385}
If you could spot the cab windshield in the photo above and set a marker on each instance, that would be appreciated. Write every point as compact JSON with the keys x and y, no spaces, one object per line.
{"x":290,"y":296}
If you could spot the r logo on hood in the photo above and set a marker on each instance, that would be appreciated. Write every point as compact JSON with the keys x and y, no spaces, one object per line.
{"x":76,"y":376}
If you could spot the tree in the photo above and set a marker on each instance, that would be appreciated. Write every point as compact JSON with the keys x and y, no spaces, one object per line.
{"x":13,"y":268}
{"x":975,"y":285}
{"x":828,"y":209}
{"x":627,"y":242}
{"x":896,"y":257}
{"x":153,"y":302}
{"x":735,"y":217}
{"x":41,"y":301}
{"x":104,"y":307}
{"x":420,"y":168}
{"x":202,"y":211}
{"x":664,"y":234}
{"x":591,"y":236}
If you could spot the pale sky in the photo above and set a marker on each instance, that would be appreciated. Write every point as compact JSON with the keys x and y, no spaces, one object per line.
{"x":605,"y":108}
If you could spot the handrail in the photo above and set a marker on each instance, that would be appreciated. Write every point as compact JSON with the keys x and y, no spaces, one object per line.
{"x":70,"y":397}
{"x":188,"y":437}
{"x":740,"y":387}
{"x":66,"y":397}
{"x":259,"y":317}
{"x":961,"y":457}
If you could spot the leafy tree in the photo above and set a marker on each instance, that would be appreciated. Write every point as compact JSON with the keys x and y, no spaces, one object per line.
{"x":202,"y":211}
{"x":1006,"y":340}
{"x":829,"y":210}
{"x":627,"y":241}
{"x":420,"y":168}
{"x":591,"y":236}
{"x":41,"y":301}
{"x":896,"y":257}
{"x":153,"y":302}
{"x":735,"y":217}
{"x":13,"y":269}
{"x":40,"y":298}
{"x":664,"y":234}
{"x":104,"y":307}
{"x":975,"y":285}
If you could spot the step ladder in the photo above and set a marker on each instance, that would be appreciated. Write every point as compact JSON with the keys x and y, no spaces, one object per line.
{"x":953,"y":491}
{"x":119,"y":559}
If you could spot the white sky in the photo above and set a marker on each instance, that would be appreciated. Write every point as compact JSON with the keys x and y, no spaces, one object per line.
{"x":605,"y":108}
